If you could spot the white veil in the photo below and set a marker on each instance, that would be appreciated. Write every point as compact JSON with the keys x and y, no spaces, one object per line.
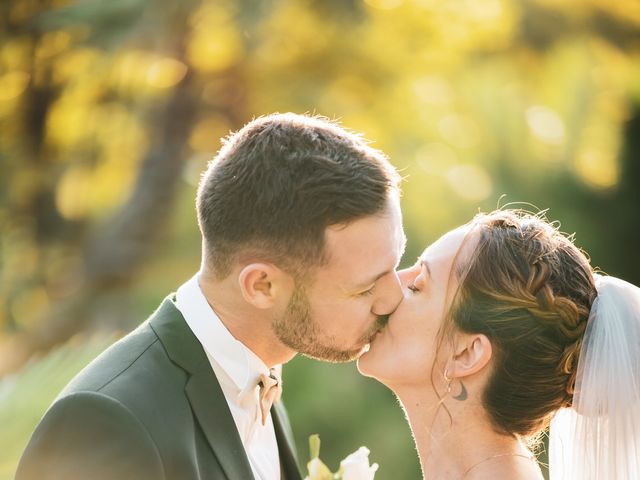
{"x":599,"y":437}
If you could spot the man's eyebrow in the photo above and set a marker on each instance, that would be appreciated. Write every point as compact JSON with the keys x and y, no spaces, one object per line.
{"x":372,"y":281}
{"x":403,"y":243}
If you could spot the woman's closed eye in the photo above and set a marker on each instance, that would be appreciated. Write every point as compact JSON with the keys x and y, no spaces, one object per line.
{"x":420,"y":280}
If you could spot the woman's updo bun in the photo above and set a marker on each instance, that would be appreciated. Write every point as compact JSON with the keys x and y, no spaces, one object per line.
{"x":529,"y":289}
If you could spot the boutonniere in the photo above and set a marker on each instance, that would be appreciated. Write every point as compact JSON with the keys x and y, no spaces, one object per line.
{"x":353,"y":467}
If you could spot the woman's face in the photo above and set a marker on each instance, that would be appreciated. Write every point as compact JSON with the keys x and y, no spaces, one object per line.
{"x":404,"y":352}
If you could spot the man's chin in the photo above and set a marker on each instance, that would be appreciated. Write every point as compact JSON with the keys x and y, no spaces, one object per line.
{"x":336,"y":356}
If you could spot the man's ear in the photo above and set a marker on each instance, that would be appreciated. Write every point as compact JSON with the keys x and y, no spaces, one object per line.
{"x":263,"y":284}
{"x":472,"y":354}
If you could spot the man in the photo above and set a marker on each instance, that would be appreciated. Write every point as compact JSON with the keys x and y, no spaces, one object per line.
{"x":301,"y":235}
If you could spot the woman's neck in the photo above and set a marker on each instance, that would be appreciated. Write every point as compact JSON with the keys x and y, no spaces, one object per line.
{"x":449,"y":447}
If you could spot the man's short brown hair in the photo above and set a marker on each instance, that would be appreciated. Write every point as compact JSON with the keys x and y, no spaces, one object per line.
{"x":277,"y":183}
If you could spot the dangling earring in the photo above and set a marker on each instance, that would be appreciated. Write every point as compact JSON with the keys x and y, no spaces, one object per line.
{"x":447,"y":379}
{"x":462,"y":396}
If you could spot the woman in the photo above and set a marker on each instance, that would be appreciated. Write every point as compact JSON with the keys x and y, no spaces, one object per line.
{"x":503,"y":325}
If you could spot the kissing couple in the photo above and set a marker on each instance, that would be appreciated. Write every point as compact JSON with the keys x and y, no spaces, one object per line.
{"x":499,"y":329}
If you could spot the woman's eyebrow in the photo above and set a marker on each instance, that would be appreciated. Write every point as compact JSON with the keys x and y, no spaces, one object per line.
{"x":425,"y":263}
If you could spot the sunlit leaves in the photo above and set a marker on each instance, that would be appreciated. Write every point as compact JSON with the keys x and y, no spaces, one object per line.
{"x":598,"y":167}
{"x":74,"y":192}
{"x":293,"y":33}
{"x":71,"y":119}
{"x":215,"y":42}
{"x":628,"y":11}
{"x":74,"y":63}
{"x":138,"y":73}
{"x":451,"y":90}
{"x":24,"y":11}
{"x":52,"y":44}
{"x":91,"y":189}
{"x":165,"y":73}
{"x":12,"y":85}
{"x":471,"y":182}
{"x":14,"y":73}
{"x":205,"y":136}
{"x":107,"y":22}
{"x":469,"y":98}
{"x":15,"y":53}
{"x":545,"y":124}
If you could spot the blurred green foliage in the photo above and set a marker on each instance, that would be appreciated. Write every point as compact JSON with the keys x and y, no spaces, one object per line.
{"x":109,"y":110}
{"x":25,"y":397}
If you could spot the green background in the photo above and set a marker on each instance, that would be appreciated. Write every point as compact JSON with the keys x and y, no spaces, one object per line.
{"x":109,"y":111}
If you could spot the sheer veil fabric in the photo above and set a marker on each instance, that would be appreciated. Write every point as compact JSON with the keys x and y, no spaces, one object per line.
{"x":599,"y":437}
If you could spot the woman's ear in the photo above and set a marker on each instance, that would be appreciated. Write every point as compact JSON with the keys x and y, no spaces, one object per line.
{"x":263,"y":284}
{"x":472,"y":354}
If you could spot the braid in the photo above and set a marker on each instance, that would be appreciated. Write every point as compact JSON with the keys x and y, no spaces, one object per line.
{"x":570,"y":320}
{"x":569,"y":366}
{"x":529,"y":289}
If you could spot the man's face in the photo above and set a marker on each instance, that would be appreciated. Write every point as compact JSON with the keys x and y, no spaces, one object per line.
{"x":346,"y":303}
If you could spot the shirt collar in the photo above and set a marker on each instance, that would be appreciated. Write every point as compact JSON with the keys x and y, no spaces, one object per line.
{"x":242,"y":365}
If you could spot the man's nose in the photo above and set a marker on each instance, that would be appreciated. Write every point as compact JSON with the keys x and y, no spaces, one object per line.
{"x":390,"y":295}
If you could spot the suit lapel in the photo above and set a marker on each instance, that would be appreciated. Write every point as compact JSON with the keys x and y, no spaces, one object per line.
{"x":203,"y":390}
{"x":286,"y":447}
{"x":212,"y":411}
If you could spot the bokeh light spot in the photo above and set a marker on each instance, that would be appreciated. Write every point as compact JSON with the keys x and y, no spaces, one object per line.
{"x":165,"y":73}
{"x":12,"y":85}
{"x":470,"y":182}
{"x":72,"y":194}
{"x":436,"y":158}
{"x":545,"y":124}
{"x":206,"y":135}
{"x":597,"y":168}
{"x":433,"y":91}
{"x":459,"y":130}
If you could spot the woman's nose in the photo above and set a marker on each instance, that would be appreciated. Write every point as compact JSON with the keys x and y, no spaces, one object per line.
{"x":406,"y":277}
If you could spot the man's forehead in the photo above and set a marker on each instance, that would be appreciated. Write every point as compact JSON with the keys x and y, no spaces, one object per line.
{"x":369,"y":235}
{"x":366,"y":265}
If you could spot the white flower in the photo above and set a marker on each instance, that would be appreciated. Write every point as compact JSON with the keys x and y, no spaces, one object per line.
{"x":318,"y":470}
{"x":356,"y":466}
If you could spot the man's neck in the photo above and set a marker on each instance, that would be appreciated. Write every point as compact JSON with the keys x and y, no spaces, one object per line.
{"x":248,"y":325}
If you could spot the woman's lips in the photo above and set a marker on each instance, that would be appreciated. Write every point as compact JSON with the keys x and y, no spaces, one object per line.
{"x":375,"y":335}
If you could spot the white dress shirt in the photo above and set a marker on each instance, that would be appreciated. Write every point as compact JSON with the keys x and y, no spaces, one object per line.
{"x":238,"y":370}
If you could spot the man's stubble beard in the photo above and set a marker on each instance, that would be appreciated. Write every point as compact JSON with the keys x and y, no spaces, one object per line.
{"x":297,"y":330}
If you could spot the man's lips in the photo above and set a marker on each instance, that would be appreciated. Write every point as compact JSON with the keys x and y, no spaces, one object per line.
{"x":381,"y":323}
{"x":375,"y":334}
{"x":373,"y":338}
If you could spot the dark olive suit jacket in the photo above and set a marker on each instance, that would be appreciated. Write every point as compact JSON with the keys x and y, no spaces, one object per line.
{"x":149,"y":407}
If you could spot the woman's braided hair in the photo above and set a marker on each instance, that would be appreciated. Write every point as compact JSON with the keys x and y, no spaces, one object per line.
{"x":529,"y":289}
